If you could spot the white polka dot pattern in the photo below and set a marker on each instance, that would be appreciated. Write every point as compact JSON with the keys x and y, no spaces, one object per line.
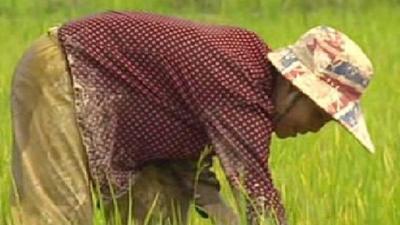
{"x":151,"y":87}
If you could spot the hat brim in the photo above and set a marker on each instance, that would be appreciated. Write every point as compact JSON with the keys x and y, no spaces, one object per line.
{"x":343,"y":108}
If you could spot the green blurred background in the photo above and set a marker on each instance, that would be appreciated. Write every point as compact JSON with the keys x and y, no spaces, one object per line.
{"x":325,"y":178}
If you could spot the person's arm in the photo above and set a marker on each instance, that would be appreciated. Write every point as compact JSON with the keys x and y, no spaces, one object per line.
{"x":240,"y":136}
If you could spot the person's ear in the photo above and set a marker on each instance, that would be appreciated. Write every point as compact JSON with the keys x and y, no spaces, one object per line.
{"x":292,"y":88}
{"x":285,"y":86}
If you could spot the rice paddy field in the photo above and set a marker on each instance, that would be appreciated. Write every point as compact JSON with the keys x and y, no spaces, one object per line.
{"x":325,"y":178}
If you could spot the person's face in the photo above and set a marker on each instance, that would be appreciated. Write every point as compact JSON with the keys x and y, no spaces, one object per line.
{"x":302,"y":117}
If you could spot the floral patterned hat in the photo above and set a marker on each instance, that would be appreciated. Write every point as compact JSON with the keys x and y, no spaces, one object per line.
{"x":333,"y":71}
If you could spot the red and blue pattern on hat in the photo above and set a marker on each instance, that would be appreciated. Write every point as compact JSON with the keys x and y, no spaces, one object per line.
{"x":333,"y":71}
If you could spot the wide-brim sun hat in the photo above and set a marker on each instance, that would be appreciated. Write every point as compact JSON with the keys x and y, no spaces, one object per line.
{"x":333,"y":71}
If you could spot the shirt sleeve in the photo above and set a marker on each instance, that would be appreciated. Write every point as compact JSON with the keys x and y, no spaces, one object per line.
{"x":241,"y":136}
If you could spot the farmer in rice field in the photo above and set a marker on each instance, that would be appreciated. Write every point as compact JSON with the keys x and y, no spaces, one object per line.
{"x":125,"y":103}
